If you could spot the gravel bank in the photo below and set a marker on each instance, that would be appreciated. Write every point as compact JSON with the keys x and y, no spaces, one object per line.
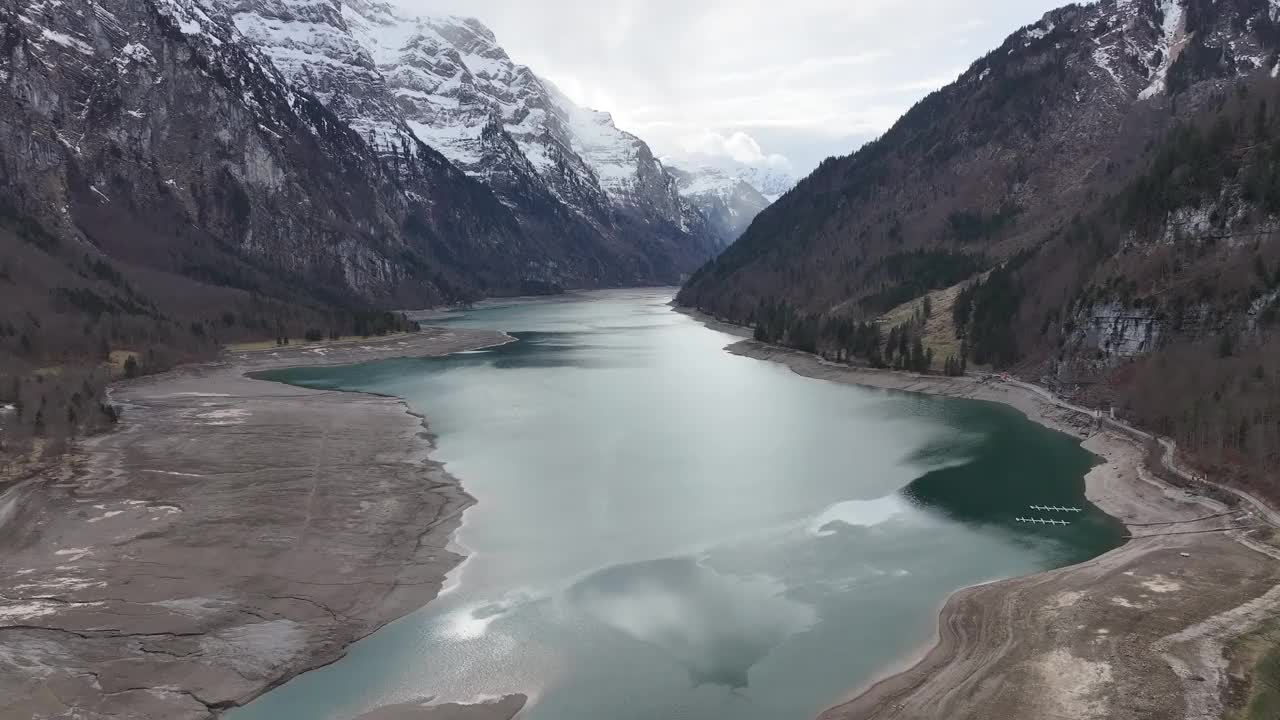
{"x":1136,"y":633}
{"x":229,"y":535}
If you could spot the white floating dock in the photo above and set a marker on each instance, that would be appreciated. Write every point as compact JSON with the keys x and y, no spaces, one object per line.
{"x":1055,"y":508}
{"x":1042,"y":521}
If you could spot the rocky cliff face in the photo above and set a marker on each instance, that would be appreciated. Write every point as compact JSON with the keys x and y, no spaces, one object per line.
{"x":259,"y":146}
{"x":462,"y":93}
{"x":151,"y":132}
{"x":1115,"y":332}
{"x":563,"y":170}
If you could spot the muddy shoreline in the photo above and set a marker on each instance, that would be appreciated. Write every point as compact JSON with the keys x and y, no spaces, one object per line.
{"x":231,"y":534}
{"x":234,"y":533}
{"x":1138,"y":632}
{"x":503,"y":708}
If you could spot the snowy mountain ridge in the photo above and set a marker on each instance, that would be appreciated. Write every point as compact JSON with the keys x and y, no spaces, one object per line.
{"x":730,"y":193}
{"x":401,"y":80}
{"x":715,"y":172}
{"x":728,"y":201}
{"x":460,"y":92}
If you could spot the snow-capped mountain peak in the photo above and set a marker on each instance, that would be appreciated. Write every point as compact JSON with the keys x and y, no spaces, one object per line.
{"x":462,"y":94}
{"x":728,"y":192}
{"x":770,"y":179}
{"x":445,"y":82}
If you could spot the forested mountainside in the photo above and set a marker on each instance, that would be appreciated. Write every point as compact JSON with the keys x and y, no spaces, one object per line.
{"x":168,"y":184}
{"x":1092,"y":205}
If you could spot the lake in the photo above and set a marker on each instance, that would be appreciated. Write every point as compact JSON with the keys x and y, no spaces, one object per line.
{"x":666,"y":530}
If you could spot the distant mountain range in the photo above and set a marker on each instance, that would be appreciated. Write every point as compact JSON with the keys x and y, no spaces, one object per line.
{"x":767,"y":177}
{"x":729,"y":193}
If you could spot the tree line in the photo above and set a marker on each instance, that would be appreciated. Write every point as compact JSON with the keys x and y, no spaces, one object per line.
{"x":844,"y":339}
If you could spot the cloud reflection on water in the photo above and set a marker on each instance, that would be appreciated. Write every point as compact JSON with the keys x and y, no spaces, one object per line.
{"x":717,"y":626}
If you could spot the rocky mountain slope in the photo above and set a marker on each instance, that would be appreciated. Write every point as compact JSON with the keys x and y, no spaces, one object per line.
{"x":151,"y":133}
{"x":1098,"y":195}
{"x":729,"y":192}
{"x":268,"y":128}
{"x":728,"y":202}
{"x":164,"y":189}
{"x":447,"y":82}
{"x":176,"y":174}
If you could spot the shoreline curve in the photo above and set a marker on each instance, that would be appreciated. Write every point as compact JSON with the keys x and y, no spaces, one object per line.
{"x":229,"y":535}
{"x":1109,"y":637}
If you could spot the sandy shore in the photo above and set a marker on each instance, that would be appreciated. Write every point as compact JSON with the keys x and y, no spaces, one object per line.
{"x":1136,"y":633}
{"x":229,"y":535}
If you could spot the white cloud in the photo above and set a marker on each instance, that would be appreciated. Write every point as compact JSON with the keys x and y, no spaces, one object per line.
{"x":738,"y":146}
{"x":800,"y":80}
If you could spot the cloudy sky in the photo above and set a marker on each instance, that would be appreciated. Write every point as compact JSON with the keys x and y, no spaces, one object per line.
{"x":786,"y":82}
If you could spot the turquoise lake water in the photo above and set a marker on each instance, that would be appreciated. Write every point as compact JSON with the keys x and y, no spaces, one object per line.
{"x":666,"y":530}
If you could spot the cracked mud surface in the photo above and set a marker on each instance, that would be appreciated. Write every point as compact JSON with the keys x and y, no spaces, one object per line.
{"x":230,"y":534}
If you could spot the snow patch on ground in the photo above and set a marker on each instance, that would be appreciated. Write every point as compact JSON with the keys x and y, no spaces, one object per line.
{"x":1162,"y":584}
{"x":106,"y":515}
{"x":1074,"y":687}
{"x":1102,"y":58}
{"x":1172,"y":40}
{"x":28,"y":610}
{"x":222,"y":416}
{"x":193,"y":606}
{"x":66,"y":41}
{"x":1187,"y":222}
{"x":136,"y":53}
{"x":174,"y":472}
{"x":459,"y":143}
{"x":1066,"y":599}
{"x":1038,"y":33}
{"x":75,"y":553}
{"x":57,"y":585}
